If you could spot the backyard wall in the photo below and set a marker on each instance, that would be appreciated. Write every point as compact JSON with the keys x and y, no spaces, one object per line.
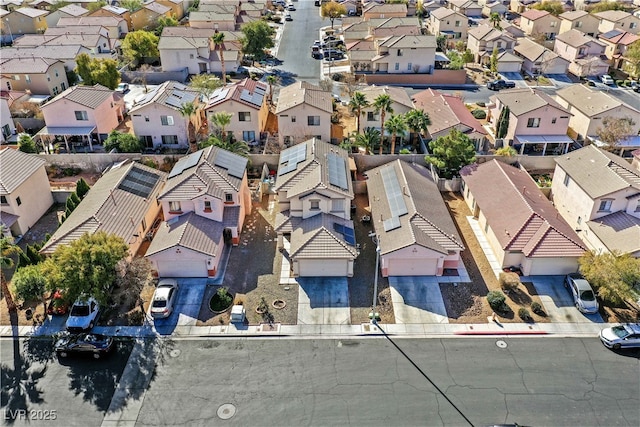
{"x":439,"y":77}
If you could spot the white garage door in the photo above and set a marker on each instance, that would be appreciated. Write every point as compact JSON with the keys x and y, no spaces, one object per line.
{"x":413,"y":267}
{"x":183,"y":268}
{"x":324,"y":268}
{"x":551,"y":266}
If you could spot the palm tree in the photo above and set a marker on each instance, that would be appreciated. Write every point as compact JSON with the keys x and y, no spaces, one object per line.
{"x":221,"y":120}
{"x":7,"y":250}
{"x":368,"y":139}
{"x":272,"y":80}
{"x":188,"y":110}
{"x":238,"y":147}
{"x":357,"y":103}
{"x":396,"y":126}
{"x":218,"y":41}
{"x":495,"y":19}
{"x":382,"y":104}
{"x":417,"y":121}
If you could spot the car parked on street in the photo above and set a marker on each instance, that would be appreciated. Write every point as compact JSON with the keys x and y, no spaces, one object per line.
{"x":608,"y":80}
{"x":94,"y":345}
{"x":621,"y":336}
{"x":123,"y":88}
{"x":83,"y":315}
{"x":291,"y":7}
{"x":288,"y":17}
{"x":500,"y":84}
{"x":164,"y":298}
{"x":583,"y":296}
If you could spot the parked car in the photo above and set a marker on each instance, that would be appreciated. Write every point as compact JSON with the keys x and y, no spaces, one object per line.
{"x":621,"y":336}
{"x":500,"y":84}
{"x":94,"y":345}
{"x":608,"y":80}
{"x":332,"y":54}
{"x":58,"y":304}
{"x":583,"y":295}
{"x":291,"y":7}
{"x":164,"y":298}
{"x":83,"y":315}
{"x":123,"y":88}
{"x":288,"y":17}
{"x":635,"y":86}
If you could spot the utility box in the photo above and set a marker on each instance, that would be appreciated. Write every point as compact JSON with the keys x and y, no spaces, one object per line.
{"x":238,"y":314}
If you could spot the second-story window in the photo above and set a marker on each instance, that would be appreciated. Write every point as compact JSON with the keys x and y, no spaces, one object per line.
{"x":3,"y":200}
{"x":228,"y":198}
{"x":605,"y":205}
{"x":638,"y":206}
{"x":81,"y":115}
{"x":399,"y":52}
{"x":315,"y":205}
{"x":313,"y":120}
{"x":533,"y":122}
{"x":244,"y":116}
{"x":175,"y":207}
{"x":166,"y":120}
{"x":566,"y":180}
{"x":207,"y":205}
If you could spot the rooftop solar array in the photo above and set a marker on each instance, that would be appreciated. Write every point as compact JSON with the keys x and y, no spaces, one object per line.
{"x":179,"y":98}
{"x":254,"y":98}
{"x":391,"y":223}
{"x":290,"y":158}
{"x":139,"y":182}
{"x":185,"y":163}
{"x":337,"y":171}
{"x":234,"y":164}
{"x":218,"y":95}
{"x":347,"y":233}
{"x":393,"y":192}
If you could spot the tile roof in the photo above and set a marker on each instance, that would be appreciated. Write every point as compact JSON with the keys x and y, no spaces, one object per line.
{"x":31,"y":12}
{"x":15,"y":168}
{"x":211,"y":171}
{"x":397,"y":94}
{"x":300,"y":93}
{"x":190,"y":231}
{"x":573,"y":15}
{"x":211,"y":16}
{"x":27,"y":64}
{"x":90,"y":21}
{"x":374,"y":7}
{"x":599,"y":172}
{"x":156,"y":8}
{"x":108,"y":208}
{"x":115,"y":9}
{"x":532,"y":225}
{"x":523,"y":100}
{"x":316,"y":237}
{"x":446,"y":112}
{"x":34,"y":40}
{"x":612,"y":15}
{"x":249,"y":92}
{"x":533,"y":14}
{"x":577,"y":38}
{"x":619,"y":37}
{"x":74,"y":10}
{"x":427,"y":222}
{"x":89,"y":96}
{"x":170,"y":94}
{"x":618,"y":231}
{"x":533,"y":51}
{"x":408,"y":42}
{"x":444,"y":12}
{"x":77,"y":29}
{"x":590,"y":102}
{"x":49,"y":53}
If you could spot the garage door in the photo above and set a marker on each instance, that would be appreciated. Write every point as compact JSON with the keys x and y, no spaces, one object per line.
{"x":325,"y":268}
{"x":550,"y":266}
{"x":412,"y":267}
{"x":184,"y":268}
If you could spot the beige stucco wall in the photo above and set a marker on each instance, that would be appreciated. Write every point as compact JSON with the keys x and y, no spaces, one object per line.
{"x":419,"y":254}
{"x":175,"y":260}
{"x":588,"y":24}
{"x":586,"y":126}
{"x":221,"y":25}
{"x":299,"y":131}
{"x":53,"y":82}
{"x":22,"y":24}
{"x":624,"y":24}
{"x":154,"y":126}
{"x":104,"y":117}
{"x":548,"y":24}
{"x":35,"y":197}
{"x":257,"y":123}
{"x":422,"y":58}
{"x":457,"y":23}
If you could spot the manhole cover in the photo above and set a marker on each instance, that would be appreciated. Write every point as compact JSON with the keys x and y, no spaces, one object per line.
{"x":501,"y":344}
{"x":174,"y":353}
{"x":226,"y":411}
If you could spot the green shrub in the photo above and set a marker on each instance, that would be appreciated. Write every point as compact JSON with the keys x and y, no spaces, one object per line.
{"x":405,"y":151}
{"x":536,"y":307}
{"x":509,"y":281}
{"x":496,"y":300}
{"x":619,"y":82}
{"x":479,"y":114}
{"x":71,"y":171}
{"x":150,"y":163}
{"x":337,"y":77}
{"x":523,"y":313}
{"x":481,"y":104}
{"x":82,"y":188}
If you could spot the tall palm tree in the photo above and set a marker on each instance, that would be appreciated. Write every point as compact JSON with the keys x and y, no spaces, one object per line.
{"x":271,"y":80}
{"x":368,"y":139}
{"x":357,"y":103}
{"x":218,"y":41}
{"x":188,"y":110}
{"x":238,"y":147}
{"x":417,"y":121}
{"x":221,"y":120}
{"x":495,"y":19}
{"x":382,"y":104}
{"x":396,"y":126}
{"x":7,"y":250}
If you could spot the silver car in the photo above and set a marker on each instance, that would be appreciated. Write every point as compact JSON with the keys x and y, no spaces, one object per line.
{"x":621,"y":336}
{"x":583,"y":295}
{"x":164,"y":298}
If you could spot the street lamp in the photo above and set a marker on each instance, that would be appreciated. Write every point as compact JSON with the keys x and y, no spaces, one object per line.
{"x":375,"y":283}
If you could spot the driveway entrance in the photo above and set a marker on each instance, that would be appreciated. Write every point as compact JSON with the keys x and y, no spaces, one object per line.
{"x":323,"y":301}
{"x":417,"y":299}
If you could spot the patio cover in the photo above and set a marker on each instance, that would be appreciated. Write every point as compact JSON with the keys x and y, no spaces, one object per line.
{"x":545,"y":140}
{"x":441,"y":57}
{"x":65,"y":131}
{"x":8,"y":219}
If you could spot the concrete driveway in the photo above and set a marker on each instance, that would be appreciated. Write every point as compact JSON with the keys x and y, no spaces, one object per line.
{"x":417,"y":300}
{"x":558,"y":302}
{"x":187,"y":307}
{"x":516,"y":78}
{"x":323,"y":301}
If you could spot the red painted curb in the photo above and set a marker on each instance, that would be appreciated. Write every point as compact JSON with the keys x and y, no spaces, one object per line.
{"x":500,"y":333}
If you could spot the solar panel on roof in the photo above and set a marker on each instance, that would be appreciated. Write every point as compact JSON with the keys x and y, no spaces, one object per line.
{"x":394,"y":194}
{"x":337,"y":171}
{"x":139,"y":182}
{"x":185,"y":163}
{"x":234,"y":164}
{"x":391,"y":223}
{"x":290,"y":158}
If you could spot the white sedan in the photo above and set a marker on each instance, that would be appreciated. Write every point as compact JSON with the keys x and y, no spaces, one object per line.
{"x":164,"y":298}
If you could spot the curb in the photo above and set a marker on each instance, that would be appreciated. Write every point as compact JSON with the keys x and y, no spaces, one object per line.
{"x":500,"y":333}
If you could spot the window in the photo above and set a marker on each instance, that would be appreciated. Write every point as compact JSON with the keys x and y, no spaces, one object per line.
{"x":293,"y":119}
{"x":244,"y":116}
{"x":3,"y":200}
{"x":371,"y":116}
{"x":228,"y":198}
{"x":144,"y":224}
{"x":499,"y":45}
{"x":315,"y":205}
{"x":579,"y":220}
{"x":579,"y":24}
{"x":533,"y":122}
{"x":18,"y":201}
{"x":81,"y":115}
{"x":399,"y":52}
{"x":605,"y":205}
{"x":146,"y":118}
{"x":553,"y":24}
{"x":191,"y":56}
{"x":313,"y":120}
{"x":457,"y":24}
{"x":337,"y":205}
{"x":6,"y":130}
{"x":248,"y":135}
{"x":55,"y":90}
{"x":566,"y":180}
{"x":632,"y":25}
{"x":166,"y":120}
{"x":27,"y":78}
{"x":169,"y":139}
{"x":397,"y":67}
{"x":16,"y":77}
{"x":175,"y":207}
{"x":207,"y":205}
{"x":62,"y":85}
{"x":409,"y":66}
{"x":554,"y":120}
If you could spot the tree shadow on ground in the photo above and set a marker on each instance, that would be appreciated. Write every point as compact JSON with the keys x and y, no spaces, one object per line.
{"x":519,"y":296}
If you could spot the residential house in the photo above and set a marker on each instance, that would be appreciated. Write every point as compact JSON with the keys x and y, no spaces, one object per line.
{"x":598,"y":194}
{"x":212,"y":20}
{"x":10,"y":5}
{"x":96,"y":45}
{"x":6,"y":37}
{"x":117,"y":26}
{"x":519,"y":6}
{"x":315,"y":191}
{"x":352,"y":6}
{"x":494,"y":7}
{"x":304,"y":111}
{"x":404,"y":54}
{"x":146,"y":18}
{"x":538,"y":60}
{"x":385,"y":10}
{"x":192,"y":48}
{"x":25,"y":194}
{"x":537,"y":124}
{"x":450,"y":23}
{"x":85,"y":111}
{"x":505,"y":26}
{"x":204,"y":204}
{"x":66,"y":54}
{"x":429,"y":6}
{"x":119,"y":12}
{"x":579,"y":20}
{"x":617,"y":43}
{"x":121,"y":203}
{"x":531,"y":235}
{"x":415,"y":232}
{"x":177,"y":7}
{"x":400,"y":104}
{"x":484,"y":38}
{"x":448,"y":112}
{"x":157,"y":119}
{"x":6,"y":121}
{"x":247,"y":102}
{"x":70,"y":10}
{"x":41,"y":76}
{"x":395,"y":27}
{"x":26,"y":20}
{"x":590,"y":107}
{"x":468,"y":8}
{"x":617,"y":20}
{"x":253,"y":10}
{"x":361,"y":29}
{"x":583,"y":52}
{"x":540,"y":25}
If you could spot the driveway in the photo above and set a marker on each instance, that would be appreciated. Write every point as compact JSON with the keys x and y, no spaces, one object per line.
{"x":516,"y":78}
{"x":323,"y":301}
{"x":560,"y":80}
{"x":557,"y":301}
{"x":185,"y":312}
{"x":417,"y":299}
